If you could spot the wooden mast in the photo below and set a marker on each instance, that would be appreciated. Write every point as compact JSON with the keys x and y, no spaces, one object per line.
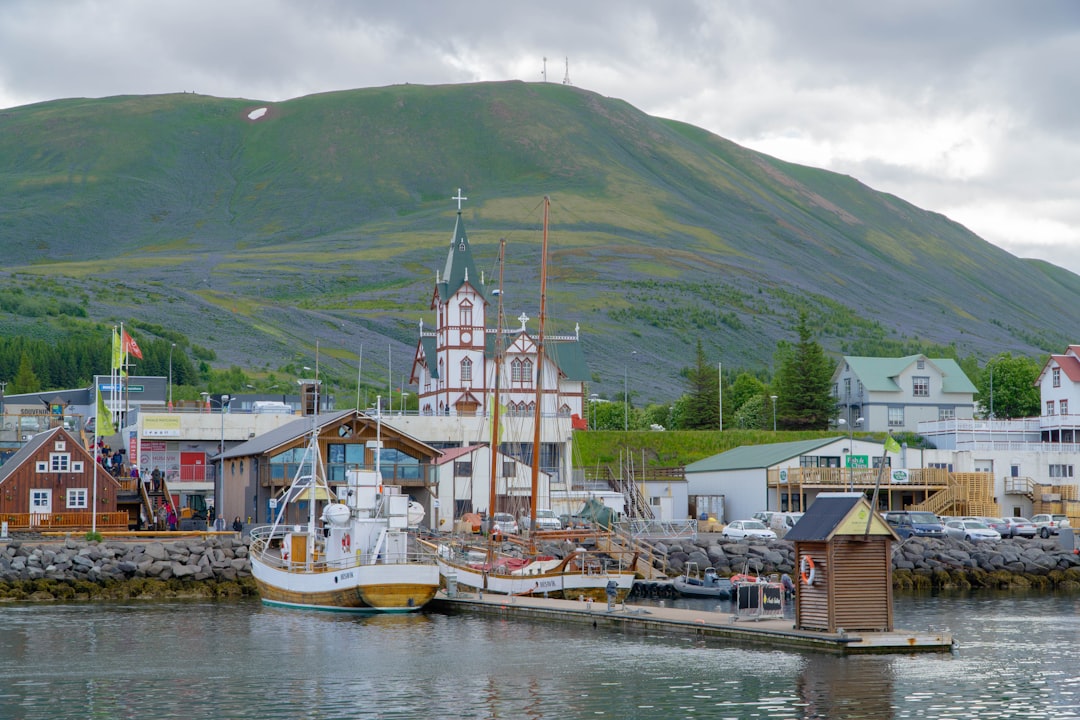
{"x":493,"y":487}
{"x":539,"y":372}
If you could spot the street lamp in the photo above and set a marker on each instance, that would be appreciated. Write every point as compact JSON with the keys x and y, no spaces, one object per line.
{"x":171,"y":348}
{"x":773,"y":412}
{"x":592,"y":410}
{"x":223,"y":405}
{"x":851,"y":447}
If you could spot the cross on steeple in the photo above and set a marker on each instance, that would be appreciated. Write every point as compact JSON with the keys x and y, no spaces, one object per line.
{"x":459,"y":197}
{"x":523,"y":318}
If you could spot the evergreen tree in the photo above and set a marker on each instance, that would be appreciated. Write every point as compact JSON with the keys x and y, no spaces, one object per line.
{"x":25,"y":379}
{"x":703,"y":398}
{"x":802,"y":383}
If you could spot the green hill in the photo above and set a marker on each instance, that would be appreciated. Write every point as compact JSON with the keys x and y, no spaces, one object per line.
{"x":327,"y":218}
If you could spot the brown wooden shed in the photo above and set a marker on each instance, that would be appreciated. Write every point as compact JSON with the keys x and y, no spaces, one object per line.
{"x":843,"y":553}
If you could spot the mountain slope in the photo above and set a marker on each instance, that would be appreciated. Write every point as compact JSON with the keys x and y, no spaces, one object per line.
{"x":327,"y":218}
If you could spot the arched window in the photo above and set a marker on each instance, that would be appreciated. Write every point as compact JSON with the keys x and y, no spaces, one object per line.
{"x":527,"y":372}
{"x":564,"y":410}
{"x":466,"y":370}
{"x":515,"y":371}
{"x":465,"y":314}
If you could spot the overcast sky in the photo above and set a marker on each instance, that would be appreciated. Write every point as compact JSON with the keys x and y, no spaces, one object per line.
{"x":968,"y":107}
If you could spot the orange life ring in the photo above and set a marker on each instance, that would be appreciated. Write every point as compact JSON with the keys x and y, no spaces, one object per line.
{"x":346,"y":543}
{"x":806,"y":570}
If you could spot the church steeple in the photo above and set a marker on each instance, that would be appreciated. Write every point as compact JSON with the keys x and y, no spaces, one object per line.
{"x":459,"y":260}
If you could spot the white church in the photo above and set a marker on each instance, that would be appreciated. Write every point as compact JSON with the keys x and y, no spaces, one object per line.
{"x":453,"y":371}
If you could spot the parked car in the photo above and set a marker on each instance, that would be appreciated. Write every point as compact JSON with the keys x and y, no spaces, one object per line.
{"x":764,"y":516}
{"x":1021,"y":526}
{"x":970,"y":530}
{"x":740,"y":529}
{"x":545,"y":520}
{"x":505,"y":523}
{"x":781,"y":522}
{"x":1001,"y":525}
{"x":915,"y":522}
{"x":1048,"y":525}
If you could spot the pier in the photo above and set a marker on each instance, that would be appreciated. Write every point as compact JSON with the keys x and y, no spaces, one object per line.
{"x":704,"y":624}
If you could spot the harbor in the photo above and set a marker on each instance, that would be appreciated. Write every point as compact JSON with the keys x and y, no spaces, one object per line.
{"x":660,"y":621}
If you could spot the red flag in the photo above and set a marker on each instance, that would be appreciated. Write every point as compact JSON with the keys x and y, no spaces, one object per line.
{"x":131,"y":347}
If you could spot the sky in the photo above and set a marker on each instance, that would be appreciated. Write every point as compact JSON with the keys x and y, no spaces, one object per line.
{"x":969,"y":108}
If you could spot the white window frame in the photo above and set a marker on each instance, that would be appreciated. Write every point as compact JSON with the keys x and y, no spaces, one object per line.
{"x":946,"y":413}
{"x":1063,"y":407}
{"x":59,"y":462}
{"x":920,"y":386}
{"x":1056,"y":374}
{"x":77,"y":499}
{"x":893,"y":411}
{"x":466,"y":370}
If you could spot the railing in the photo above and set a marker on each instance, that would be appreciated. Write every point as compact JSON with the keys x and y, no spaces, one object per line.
{"x":262,"y":547}
{"x":65,"y":521}
{"x":641,"y":529}
{"x":839,"y":477}
{"x":1020,"y":486}
{"x":940,"y":500}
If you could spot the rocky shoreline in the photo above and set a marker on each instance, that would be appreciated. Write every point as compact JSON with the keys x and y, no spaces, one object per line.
{"x":918,"y":563}
{"x":76,"y":569}
{"x":39,"y":569}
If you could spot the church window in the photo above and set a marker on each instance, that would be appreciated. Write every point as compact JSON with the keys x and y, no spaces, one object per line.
{"x":527,"y":372}
{"x":466,"y":370}
{"x":515,"y":371}
{"x":466,"y":314}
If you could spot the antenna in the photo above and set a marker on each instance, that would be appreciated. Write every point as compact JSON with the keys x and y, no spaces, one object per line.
{"x":566,"y":78}
{"x":543,"y":73}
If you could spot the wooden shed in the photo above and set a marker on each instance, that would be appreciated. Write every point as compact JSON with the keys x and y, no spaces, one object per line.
{"x":843,"y":553}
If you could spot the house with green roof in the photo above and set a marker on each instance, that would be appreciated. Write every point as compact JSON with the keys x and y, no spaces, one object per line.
{"x":896,"y":394}
{"x":736,"y":484}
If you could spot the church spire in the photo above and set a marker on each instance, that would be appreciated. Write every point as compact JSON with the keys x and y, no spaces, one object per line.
{"x":459,"y":260}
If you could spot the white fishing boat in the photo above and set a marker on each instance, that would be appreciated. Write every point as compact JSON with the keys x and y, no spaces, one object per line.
{"x":579,"y":573}
{"x":359,"y":557}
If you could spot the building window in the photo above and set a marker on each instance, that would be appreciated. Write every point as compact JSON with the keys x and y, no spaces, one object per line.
{"x":515,"y":371}
{"x":1061,"y":471}
{"x":527,"y":372}
{"x":920,"y":386}
{"x":1063,"y":407}
{"x":466,"y":370}
{"x":59,"y":462}
{"x":847,"y":387}
{"x":920,"y":364}
{"x":59,"y":446}
{"x":509,"y":468}
{"x":896,"y":417}
{"x":465,"y":314}
{"x":1049,"y":407}
{"x":76,"y":499}
{"x":1056,"y":372}
{"x":463,"y":468}
{"x":946,"y":414}
{"x":42,"y":466}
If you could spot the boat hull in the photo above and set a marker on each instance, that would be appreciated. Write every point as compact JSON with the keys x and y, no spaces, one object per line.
{"x":723,"y":591}
{"x":365,"y":589}
{"x":559,"y":584}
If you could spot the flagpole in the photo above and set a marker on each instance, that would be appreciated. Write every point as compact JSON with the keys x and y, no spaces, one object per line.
{"x":93,"y":502}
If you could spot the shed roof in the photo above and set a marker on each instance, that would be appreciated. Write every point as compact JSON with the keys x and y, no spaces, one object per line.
{"x":840,"y":513}
{"x":748,"y":457}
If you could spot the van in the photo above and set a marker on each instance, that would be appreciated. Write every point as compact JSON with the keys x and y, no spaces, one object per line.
{"x":271,"y":406}
{"x":781,"y":522}
{"x":915,"y":522}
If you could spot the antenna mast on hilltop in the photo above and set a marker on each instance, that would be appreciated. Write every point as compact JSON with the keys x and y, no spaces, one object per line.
{"x":566,"y":78}
{"x":543,"y":72}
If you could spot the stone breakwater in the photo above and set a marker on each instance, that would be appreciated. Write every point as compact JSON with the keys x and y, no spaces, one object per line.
{"x":71,"y":568}
{"x":918,"y":563}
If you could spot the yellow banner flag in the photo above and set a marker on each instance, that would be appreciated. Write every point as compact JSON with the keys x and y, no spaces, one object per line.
{"x":103,"y":421}
{"x":891,"y":445}
{"x":117,"y":351}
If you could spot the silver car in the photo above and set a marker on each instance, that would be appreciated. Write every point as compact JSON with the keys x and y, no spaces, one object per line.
{"x":1021,"y":526}
{"x":970,"y":530}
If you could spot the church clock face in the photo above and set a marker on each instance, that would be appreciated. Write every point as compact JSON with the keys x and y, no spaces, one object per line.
{"x":466,"y":337}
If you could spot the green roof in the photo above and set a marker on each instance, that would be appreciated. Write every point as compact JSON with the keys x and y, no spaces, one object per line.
{"x":568,"y":356}
{"x":876,"y":374}
{"x":750,"y":457}
{"x":429,"y":345}
{"x":460,"y":267}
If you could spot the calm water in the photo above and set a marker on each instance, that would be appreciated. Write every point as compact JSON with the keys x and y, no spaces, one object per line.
{"x":1019,"y":657}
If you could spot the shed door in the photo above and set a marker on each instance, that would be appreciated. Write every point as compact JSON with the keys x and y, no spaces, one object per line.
{"x":40,"y":504}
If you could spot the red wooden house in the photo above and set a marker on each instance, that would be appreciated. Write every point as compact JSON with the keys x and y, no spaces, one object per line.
{"x":49,"y":485}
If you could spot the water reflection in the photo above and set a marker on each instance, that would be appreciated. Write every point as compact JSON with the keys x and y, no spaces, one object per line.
{"x":839,"y":687}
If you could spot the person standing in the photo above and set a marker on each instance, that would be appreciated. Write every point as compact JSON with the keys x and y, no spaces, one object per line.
{"x":155,"y":479}
{"x":238,"y":525}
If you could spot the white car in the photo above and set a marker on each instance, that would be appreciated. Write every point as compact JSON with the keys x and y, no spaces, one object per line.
{"x":505,"y":524}
{"x":970,"y":530}
{"x":741,"y":529}
{"x":1048,"y":525}
{"x":545,"y":520}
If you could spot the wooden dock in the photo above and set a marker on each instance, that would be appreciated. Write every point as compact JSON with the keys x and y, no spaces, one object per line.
{"x":778,"y":632}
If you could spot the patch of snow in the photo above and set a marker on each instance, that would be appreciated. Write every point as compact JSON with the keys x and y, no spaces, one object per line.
{"x":256,"y":114}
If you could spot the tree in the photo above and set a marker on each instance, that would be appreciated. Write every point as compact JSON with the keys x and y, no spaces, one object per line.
{"x":702,"y":410}
{"x":1014,"y":394}
{"x":751,"y":414}
{"x":802,"y":383}
{"x":745,"y":387}
{"x":25,"y":379}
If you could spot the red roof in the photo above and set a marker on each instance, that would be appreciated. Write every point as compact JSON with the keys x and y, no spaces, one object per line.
{"x":454,"y":453}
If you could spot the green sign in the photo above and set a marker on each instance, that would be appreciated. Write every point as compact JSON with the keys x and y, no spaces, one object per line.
{"x":858,"y":461}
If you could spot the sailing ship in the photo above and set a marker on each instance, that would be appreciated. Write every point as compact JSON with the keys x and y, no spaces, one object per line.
{"x":580,"y":573}
{"x":361,"y":558}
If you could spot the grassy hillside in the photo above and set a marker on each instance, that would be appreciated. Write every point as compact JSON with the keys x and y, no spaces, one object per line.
{"x":327,"y":218}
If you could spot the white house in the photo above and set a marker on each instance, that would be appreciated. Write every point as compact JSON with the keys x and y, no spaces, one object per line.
{"x":896,"y":394}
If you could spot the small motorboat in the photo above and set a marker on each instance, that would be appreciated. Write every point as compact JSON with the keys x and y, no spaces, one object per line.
{"x":708,"y":584}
